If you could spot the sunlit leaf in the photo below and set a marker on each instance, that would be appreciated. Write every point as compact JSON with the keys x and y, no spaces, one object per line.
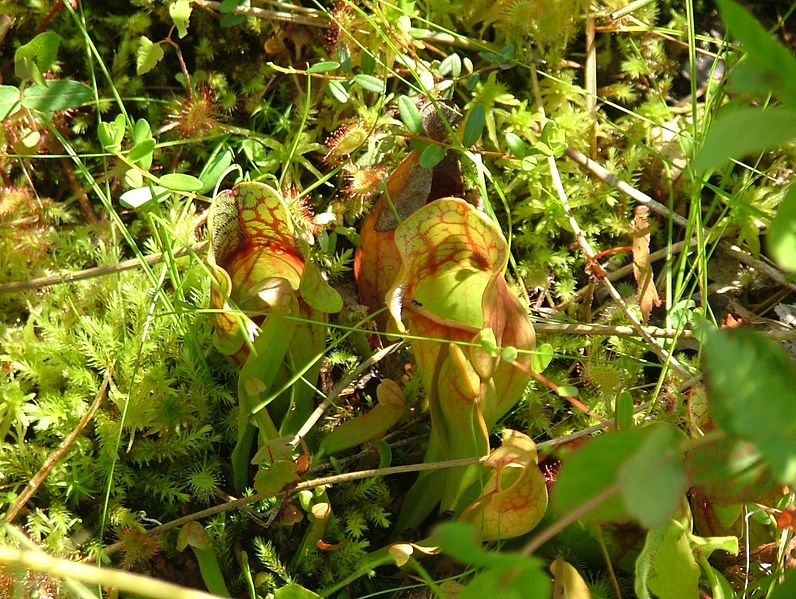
{"x":180,"y":13}
{"x":410,"y":115}
{"x":181,"y":182}
{"x":782,"y":232}
{"x":148,"y":55}
{"x":369,"y":83}
{"x":9,"y":101}
{"x":324,"y":66}
{"x":738,"y":132}
{"x":36,"y":56}
{"x":55,"y":96}
{"x":141,"y":196}
{"x":473,"y":126}
{"x":666,"y":565}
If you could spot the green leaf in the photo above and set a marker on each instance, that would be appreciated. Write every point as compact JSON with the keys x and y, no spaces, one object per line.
{"x":141,"y":150}
{"x":294,"y":591}
{"x":38,"y":55}
{"x":112,"y":134}
{"x":141,"y":131}
{"x":516,"y":145}
{"x":451,"y":65}
{"x":431,"y":156}
{"x":782,"y":232}
{"x":324,"y":66}
{"x":623,"y":410}
{"x":772,"y":64}
{"x":410,"y":115}
{"x":542,"y":357}
{"x":141,"y":196}
{"x":56,"y":96}
{"x":9,"y":101}
{"x":787,"y":589}
{"x":666,"y":565}
{"x":592,"y":469}
{"x":369,"y":83}
{"x":215,"y":169}
{"x":180,"y":13}
{"x":181,"y":182}
{"x":338,"y":91}
{"x":750,"y":383}
{"x":148,"y":55}
{"x":474,"y":126}
{"x":653,"y":480}
{"x":738,"y":132}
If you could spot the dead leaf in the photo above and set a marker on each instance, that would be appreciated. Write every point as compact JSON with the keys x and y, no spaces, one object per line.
{"x":642,"y":267}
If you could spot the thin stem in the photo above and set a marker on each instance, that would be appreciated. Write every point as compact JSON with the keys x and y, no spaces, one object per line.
{"x":551,"y":531}
{"x":584,"y":244}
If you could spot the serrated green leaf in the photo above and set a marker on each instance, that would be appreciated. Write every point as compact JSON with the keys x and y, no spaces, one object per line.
{"x":9,"y":101}
{"x":474,"y":126}
{"x":431,"y":156}
{"x":149,"y":54}
{"x":38,"y":55}
{"x":324,"y":66}
{"x":369,"y":83}
{"x":750,"y":383}
{"x":55,"y":96}
{"x":180,"y":13}
{"x":410,"y":115}
{"x":181,"y":182}
{"x":782,"y":232}
{"x":741,"y":131}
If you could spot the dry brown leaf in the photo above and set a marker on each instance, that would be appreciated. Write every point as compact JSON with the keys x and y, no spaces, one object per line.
{"x":642,"y":267}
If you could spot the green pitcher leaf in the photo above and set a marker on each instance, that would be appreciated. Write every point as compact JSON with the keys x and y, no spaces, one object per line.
{"x":372,"y":425}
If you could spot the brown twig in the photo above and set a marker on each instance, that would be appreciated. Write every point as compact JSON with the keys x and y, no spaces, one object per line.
{"x":299,"y":15}
{"x":59,"y":452}
{"x":587,"y":249}
{"x":97,"y":271}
